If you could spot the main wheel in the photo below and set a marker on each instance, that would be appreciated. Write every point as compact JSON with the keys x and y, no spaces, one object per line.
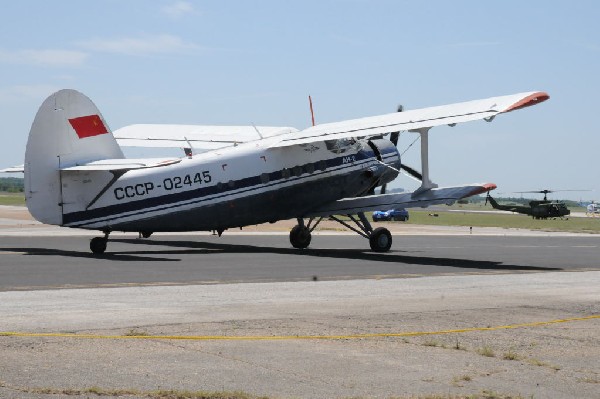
{"x":98,"y":245}
{"x":381,"y":240}
{"x":300,"y":237}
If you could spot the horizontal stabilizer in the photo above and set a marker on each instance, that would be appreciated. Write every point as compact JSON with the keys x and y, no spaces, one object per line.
{"x":14,"y":169}
{"x":123,"y":164}
{"x":434,"y":196}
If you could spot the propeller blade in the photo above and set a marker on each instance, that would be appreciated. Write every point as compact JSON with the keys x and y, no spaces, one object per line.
{"x":411,"y":172}
{"x":395,"y":135}
{"x":394,"y":138}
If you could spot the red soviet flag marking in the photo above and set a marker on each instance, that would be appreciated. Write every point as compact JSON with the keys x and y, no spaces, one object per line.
{"x":88,"y":126}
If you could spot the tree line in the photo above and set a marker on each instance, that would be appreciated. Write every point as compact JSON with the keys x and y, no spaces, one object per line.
{"x":11,"y":184}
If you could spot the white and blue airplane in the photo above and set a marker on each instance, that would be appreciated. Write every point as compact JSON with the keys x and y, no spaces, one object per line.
{"x":77,"y":176}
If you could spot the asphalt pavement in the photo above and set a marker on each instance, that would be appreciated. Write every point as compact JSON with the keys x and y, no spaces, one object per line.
{"x":445,"y":312}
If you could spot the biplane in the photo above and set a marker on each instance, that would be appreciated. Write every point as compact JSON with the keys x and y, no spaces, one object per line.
{"x":76,"y":174}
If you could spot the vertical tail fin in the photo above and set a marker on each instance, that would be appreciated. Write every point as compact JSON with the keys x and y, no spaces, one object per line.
{"x":67,"y":130}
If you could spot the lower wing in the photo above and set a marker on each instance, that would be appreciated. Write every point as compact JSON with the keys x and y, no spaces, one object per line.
{"x":434,"y":196}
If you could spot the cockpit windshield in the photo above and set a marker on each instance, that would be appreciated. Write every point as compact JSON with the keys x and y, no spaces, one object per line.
{"x":342,"y":145}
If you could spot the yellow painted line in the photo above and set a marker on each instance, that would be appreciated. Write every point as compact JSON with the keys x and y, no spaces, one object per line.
{"x":296,"y":337}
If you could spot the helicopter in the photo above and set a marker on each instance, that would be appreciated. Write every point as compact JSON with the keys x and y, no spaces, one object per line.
{"x":543,"y":209}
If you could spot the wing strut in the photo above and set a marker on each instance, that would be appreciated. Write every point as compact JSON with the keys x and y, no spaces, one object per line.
{"x":426,"y":183}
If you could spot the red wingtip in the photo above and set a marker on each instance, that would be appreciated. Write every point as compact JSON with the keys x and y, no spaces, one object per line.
{"x":528,"y":101}
{"x":484,"y":188}
{"x":489,"y":186}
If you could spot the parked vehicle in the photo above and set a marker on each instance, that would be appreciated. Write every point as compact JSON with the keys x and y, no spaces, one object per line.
{"x":393,"y":214}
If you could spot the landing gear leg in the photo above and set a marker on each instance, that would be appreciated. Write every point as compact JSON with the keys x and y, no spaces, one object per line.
{"x":380,"y":239}
{"x":300,"y":235}
{"x":98,"y":244}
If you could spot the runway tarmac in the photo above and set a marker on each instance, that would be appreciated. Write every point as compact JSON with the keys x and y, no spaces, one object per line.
{"x":62,"y":262}
{"x":430,"y":317}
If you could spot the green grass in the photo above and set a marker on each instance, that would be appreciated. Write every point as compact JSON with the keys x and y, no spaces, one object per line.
{"x":12,"y":199}
{"x":433,"y":343}
{"x":468,"y":219}
{"x":486,"y":351}
{"x":510,"y":355}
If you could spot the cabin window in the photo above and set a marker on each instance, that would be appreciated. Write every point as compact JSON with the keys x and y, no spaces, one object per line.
{"x":286,"y":173}
{"x":310,"y":168}
{"x":264,"y":178}
{"x":297,"y":170}
{"x":342,"y":145}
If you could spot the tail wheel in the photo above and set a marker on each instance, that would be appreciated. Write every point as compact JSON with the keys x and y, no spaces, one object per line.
{"x":98,"y":245}
{"x":380,"y":240}
{"x":300,"y":237}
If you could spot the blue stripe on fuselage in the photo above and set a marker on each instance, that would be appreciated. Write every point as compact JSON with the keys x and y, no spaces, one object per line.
{"x":204,"y":194}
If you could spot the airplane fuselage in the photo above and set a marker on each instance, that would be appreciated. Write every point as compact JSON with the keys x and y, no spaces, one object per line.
{"x":231,"y":187}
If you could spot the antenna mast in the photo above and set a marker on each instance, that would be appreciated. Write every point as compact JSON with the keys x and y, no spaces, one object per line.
{"x":312,"y":114}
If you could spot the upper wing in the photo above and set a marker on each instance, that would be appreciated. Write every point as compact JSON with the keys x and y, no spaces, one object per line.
{"x":415,"y":119}
{"x":195,"y":136}
{"x":435,"y":196}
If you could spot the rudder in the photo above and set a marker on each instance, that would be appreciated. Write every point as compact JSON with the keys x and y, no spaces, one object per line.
{"x":68,"y":130}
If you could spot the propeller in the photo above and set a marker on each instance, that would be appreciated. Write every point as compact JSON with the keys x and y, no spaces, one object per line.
{"x":394,"y":136}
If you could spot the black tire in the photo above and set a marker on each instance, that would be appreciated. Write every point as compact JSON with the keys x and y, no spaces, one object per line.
{"x":98,"y":245}
{"x":300,"y":237}
{"x":146,"y":234}
{"x":380,"y":240}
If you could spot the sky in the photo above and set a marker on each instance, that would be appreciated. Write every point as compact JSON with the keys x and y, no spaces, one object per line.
{"x":255,"y":62}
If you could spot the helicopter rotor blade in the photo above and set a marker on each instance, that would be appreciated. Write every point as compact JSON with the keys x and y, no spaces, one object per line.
{"x":545,"y":192}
